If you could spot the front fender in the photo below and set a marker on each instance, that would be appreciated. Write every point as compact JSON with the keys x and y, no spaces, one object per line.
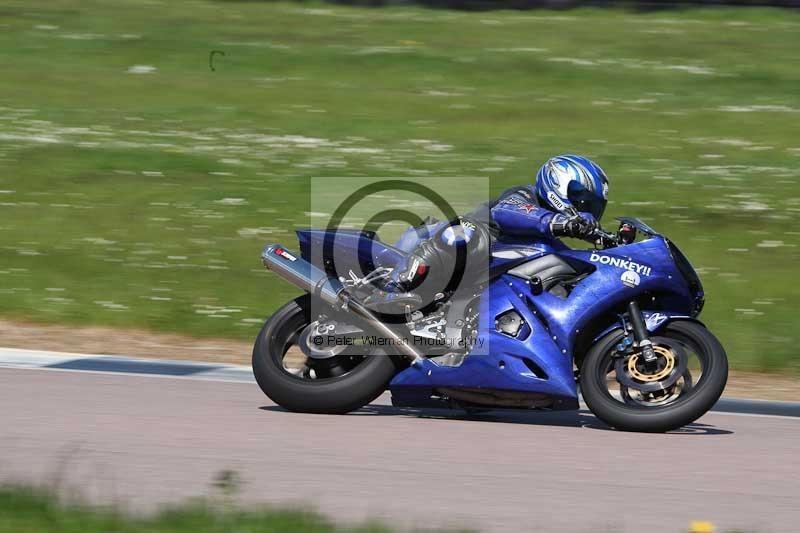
{"x":654,"y":320}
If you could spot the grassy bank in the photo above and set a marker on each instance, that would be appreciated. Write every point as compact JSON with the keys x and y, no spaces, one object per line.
{"x":31,"y":511}
{"x":137,"y":186}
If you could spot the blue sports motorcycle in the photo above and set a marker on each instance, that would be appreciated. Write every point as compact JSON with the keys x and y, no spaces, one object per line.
{"x":617,"y":324}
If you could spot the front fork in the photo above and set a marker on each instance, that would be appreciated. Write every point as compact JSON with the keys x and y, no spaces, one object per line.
{"x":640,"y":335}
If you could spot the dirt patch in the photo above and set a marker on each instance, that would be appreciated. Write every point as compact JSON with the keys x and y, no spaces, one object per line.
{"x":142,"y":343}
{"x":130,"y":342}
{"x":763,"y":386}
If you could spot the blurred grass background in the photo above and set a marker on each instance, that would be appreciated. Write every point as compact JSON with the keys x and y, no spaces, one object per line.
{"x":137,"y":186}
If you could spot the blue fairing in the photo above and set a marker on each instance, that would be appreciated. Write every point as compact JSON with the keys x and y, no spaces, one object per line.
{"x":498,"y":361}
{"x":541,"y":359}
{"x":509,"y":252}
{"x":353,"y":250}
{"x":555,"y":323}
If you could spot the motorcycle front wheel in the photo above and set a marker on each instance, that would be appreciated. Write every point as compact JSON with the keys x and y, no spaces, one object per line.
{"x":343,"y":382}
{"x":685,"y":382}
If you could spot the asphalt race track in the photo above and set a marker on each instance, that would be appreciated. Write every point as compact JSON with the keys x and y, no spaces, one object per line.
{"x":145,"y":440}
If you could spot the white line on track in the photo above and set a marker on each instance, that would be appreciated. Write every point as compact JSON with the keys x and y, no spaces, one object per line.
{"x":228,"y":373}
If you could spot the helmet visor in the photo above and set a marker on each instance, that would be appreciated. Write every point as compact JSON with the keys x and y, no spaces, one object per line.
{"x":585,"y":200}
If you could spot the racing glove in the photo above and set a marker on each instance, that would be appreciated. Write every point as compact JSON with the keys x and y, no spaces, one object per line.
{"x":579,"y":225}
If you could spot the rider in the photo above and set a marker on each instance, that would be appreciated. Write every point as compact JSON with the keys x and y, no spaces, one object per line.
{"x":567,"y":200}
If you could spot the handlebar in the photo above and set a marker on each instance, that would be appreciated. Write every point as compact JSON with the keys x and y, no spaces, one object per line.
{"x":605,"y":239}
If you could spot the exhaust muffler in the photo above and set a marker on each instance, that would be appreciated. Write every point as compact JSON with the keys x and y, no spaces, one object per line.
{"x":301,"y":273}
{"x":311,"y":279}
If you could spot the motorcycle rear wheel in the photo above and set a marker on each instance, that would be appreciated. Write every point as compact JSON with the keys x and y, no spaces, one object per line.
{"x":629,"y":414}
{"x":359,"y":381}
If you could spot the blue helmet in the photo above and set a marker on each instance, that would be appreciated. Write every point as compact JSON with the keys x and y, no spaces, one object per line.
{"x":569,"y":182}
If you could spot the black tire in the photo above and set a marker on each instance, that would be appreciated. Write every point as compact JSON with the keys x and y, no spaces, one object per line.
{"x":337,"y":395}
{"x":683,"y":411}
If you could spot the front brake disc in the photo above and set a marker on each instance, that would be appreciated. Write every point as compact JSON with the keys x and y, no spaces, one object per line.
{"x":629,"y":375}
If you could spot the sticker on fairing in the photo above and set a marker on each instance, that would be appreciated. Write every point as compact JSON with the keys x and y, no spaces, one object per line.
{"x":655,"y":320}
{"x":630,"y":278}
{"x":619,"y":262}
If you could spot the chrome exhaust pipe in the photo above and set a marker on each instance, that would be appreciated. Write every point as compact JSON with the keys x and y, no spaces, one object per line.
{"x":311,"y":279}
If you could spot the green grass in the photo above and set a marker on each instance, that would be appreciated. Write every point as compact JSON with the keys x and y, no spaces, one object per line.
{"x":24,"y":510}
{"x":111,"y":181}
